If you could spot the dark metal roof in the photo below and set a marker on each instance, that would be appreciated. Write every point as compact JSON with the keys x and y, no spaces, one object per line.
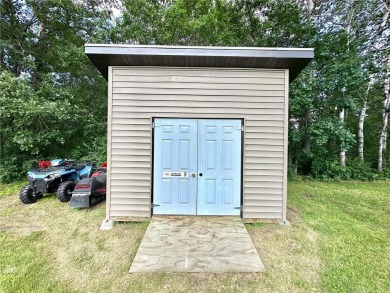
{"x":103,"y":56}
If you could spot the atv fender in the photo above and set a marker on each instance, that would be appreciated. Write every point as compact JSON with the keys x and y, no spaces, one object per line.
{"x":81,"y":194}
{"x":79,"y":201}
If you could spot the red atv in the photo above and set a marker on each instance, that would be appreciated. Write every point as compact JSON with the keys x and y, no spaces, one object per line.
{"x":90,"y":191}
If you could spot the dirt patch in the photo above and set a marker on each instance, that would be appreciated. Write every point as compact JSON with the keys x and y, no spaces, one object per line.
{"x":293,"y":215}
{"x":22,"y":229}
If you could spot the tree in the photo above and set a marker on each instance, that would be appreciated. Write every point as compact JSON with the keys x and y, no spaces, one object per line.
{"x":51,"y":95}
{"x":367,"y":23}
{"x":343,"y":92}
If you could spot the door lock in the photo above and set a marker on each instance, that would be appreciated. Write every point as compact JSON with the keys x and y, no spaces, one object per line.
{"x":200,"y":174}
{"x":193,"y":174}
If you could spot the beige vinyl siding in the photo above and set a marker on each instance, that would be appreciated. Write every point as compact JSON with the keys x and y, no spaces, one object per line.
{"x":285,"y":163}
{"x":142,"y":93}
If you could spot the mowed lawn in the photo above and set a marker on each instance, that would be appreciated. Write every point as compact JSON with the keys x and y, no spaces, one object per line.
{"x":338,"y":241}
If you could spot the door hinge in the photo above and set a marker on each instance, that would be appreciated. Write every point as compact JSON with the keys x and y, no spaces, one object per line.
{"x":153,"y":205}
{"x":152,"y":124}
{"x":238,"y":208}
{"x":241,"y":128}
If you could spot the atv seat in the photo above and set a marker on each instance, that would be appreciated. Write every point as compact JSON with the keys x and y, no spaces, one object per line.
{"x":76,"y":167}
{"x":102,"y":169}
{"x":101,"y":178}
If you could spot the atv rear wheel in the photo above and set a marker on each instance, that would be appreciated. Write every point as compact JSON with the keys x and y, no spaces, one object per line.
{"x":64,"y":191}
{"x":26,"y":195}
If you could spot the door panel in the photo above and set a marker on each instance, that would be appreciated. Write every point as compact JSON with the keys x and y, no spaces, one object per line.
{"x":219,"y":167}
{"x":175,"y":160}
{"x":209,"y":149}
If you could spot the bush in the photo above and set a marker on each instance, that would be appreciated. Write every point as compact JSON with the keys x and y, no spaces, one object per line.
{"x":384,"y":175}
{"x":94,"y":150}
{"x":15,"y":168}
{"x":331,"y":170}
{"x":358,"y":170}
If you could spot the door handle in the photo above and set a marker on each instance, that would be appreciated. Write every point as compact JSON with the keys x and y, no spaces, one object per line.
{"x":200,"y":174}
{"x":193,"y":174}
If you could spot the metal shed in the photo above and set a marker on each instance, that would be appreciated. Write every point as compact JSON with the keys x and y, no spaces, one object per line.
{"x":197,"y":130}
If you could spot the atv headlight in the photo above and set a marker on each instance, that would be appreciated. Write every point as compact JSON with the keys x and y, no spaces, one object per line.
{"x":31,"y":177}
{"x":52,"y":176}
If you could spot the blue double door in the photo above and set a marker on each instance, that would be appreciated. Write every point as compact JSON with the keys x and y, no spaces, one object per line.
{"x":197,"y":167}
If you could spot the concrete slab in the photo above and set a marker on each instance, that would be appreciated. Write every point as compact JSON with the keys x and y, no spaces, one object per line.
{"x":197,"y":244}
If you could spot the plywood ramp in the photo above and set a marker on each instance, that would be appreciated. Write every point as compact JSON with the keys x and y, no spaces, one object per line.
{"x":197,"y":244}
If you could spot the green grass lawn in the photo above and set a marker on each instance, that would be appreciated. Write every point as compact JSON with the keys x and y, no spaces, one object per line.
{"x":352,"y":220}
{"x":338,"y":241}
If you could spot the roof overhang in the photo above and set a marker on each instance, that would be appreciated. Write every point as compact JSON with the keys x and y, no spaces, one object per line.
{"x":104,"y":55}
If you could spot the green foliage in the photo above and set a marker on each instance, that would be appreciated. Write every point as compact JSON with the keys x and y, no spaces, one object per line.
{"x":358,"y":170}
{"x":15,"y":168}
{"x":31,"y":123}
{"x":53,"y":101}
{"x":291,"y":173}
{"x":182,"y":22}
{"x":327,"y":170}
{"x":335,"y":80}
{"x":93,"y":150}
{"x":328,"y":133}
{"x":340,"y":77}
{"x":278,"y":24}
{"x":384,"y":175}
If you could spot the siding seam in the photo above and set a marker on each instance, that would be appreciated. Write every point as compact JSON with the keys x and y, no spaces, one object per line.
{"x":285,"y":163}
{"x":109,"y":143}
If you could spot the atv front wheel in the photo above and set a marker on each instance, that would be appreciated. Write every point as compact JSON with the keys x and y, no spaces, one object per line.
{"x":64,"y":191}
{"x":26,"y":195}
